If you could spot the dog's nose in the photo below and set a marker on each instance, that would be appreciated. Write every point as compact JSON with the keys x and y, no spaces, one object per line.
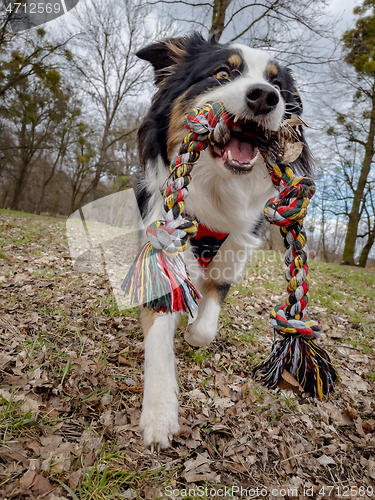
{"x":262,"y":99}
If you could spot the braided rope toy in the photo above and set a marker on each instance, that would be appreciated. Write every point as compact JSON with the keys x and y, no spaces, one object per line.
{"x":297,"y":351}
{"x":158,"y":277}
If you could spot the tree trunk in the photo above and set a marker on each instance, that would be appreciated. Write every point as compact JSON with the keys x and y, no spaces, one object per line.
{"x":45,"y":184}
{"x":56,"y":202}
{"x":218,"y":17}
{"x":100,"y":165}
{"x":324,"y":242}
{"x":39,"y":207}
{"x":324,"y":246}
{"x":354,"y":217}
{"x":18,"y":189}
{"x":366,"y":250}
{"x":5,"y":196}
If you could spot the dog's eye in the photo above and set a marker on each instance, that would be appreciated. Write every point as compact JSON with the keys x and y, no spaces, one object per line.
{"x":277,"y":85}
{"x":222,"y":74}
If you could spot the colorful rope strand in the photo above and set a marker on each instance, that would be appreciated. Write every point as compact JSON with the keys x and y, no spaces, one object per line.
{"x":297,"y":352}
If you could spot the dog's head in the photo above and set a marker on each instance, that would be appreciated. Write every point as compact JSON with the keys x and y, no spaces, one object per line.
{"x":189,"y":71}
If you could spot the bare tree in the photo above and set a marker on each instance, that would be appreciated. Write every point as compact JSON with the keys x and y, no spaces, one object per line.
{"x":287,"y":27}
{"x":369,"y":208}
{"x":349,"y":178}
{"x":359,"y":127}
{"x":106,"y":67}
{"x":61,"y":141}
{"x":79,"y":163}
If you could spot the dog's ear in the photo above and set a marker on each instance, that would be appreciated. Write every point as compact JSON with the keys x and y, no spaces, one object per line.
{"x":164,"y":55}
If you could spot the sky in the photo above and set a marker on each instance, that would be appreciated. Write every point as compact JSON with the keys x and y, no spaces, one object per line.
{"x":345,"y":9}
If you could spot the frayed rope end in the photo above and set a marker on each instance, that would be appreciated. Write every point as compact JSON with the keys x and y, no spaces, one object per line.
{"x":160,"y":283}
{"x":308,"y":363}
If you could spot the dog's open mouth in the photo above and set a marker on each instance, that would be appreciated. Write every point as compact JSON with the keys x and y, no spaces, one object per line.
{"x":237,"y":155}
{"x":240,"y":153}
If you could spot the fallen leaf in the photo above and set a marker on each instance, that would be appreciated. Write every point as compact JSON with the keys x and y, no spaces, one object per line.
{"x":371,"y":468}
{"x":325,"y":460}
{"x":352,"y":413}
{"x":41,"y":485}
{"x":307,"y":420}
{"x":27,"y":479}
{"x":294,"y":120}
{"x":221,"y":384}
{"x":34,"y":445}
{"x":289,"y":383}
{"x":223,"y":403}
{"x":199,"y":469}
{"x":27,"y":405}
{"x":5,"y":360}
{"x":74,"y":479}
{"x":13,"y":452}
{"x":354,"y":382}
{"x":106,"y":418}
{"x":339,"y":417}
{"x":292,"y":151}
{"x":248,"y":393}
{"x":121,"y":418}
{"x":198,"y":395}
{"x":369,"y":425}
{"x":359,"y":427}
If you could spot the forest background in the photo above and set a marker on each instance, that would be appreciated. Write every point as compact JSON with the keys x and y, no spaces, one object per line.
{"x":73,"y":93}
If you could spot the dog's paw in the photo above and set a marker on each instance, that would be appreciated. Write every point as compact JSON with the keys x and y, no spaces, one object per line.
{"x":199,"y":334}
{"x":158,"y":429}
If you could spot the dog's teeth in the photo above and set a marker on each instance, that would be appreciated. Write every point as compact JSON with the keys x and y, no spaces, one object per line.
{"x":230,"y":155}
{"x":236,"y":118}
{"x":252,"y":162}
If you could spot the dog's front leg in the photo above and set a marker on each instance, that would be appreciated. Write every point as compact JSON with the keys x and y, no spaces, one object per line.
{"x":203,"y":330}
{"x":159,"y":419}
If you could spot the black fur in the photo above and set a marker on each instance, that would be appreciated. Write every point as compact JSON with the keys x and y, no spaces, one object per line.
{"x":143,"y":196}
{"x":293,"y":106}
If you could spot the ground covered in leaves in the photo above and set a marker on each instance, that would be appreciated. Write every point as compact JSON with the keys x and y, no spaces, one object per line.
{"x":71,"y":387}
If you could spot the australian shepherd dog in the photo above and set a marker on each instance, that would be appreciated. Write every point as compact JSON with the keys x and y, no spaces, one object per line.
{"x":229,"y":187}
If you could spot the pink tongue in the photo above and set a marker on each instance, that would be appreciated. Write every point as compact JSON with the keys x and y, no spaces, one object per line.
{"x":242,"y":152}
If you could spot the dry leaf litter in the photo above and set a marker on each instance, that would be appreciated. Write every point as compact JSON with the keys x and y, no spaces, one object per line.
{"x":71,"y":365}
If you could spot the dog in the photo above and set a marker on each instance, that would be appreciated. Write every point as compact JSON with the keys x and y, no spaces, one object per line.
{"x":229,"y":187}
